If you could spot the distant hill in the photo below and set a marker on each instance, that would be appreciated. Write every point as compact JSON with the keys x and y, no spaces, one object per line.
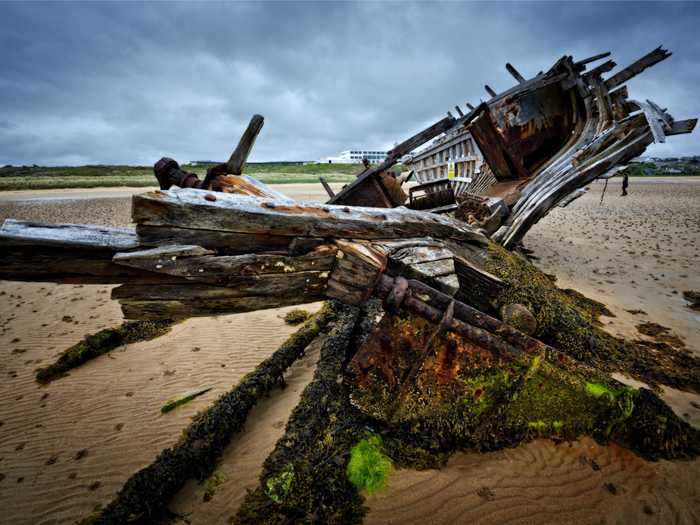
{"x":656,"y":166}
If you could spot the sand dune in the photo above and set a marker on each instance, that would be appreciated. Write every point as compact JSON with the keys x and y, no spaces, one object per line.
{"x":68,"y":447}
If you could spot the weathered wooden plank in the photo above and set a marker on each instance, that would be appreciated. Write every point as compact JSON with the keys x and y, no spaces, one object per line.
{"x":186,"y":208}
{"x":353,"y":275}
{"x":655,"y":121}
{"x":86,"y":236}
{"x":240,"y":154}
{"x":357,"y":269}
{"x":306,"y":286}
{"x":634,"y":69}
{"x":73,"y":265}
{"x":171,"y":252}
{"x":477,"y":287}
{"x":433,"y":269}
{"x":153,"y":310}
{"x":230,"y":243}
{"x":421,"y":254}
{"x":227,"y":270}
{"x":606,"y":66}
{"x":578,"y":65}
{"x":345,"y":293}
{"x":682,"y":126}
{"x":491,"y":145}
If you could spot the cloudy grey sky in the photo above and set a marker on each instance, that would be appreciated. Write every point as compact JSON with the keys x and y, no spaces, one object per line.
{"x":128,"y":83}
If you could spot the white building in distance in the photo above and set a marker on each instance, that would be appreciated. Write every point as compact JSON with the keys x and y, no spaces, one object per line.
{"x":355,"y":156}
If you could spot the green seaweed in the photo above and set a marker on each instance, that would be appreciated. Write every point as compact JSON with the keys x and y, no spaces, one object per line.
{"x":175,"y":403}
{"x":369,"y":468}
{"x":100,"y":343}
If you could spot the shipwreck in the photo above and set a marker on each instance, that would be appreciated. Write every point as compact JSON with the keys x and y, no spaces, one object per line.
{"x":437,"y":334}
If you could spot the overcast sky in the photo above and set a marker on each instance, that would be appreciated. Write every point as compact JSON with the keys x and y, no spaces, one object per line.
{"x":129,"y":83}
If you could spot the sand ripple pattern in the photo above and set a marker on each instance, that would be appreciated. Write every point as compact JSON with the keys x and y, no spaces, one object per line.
{"x":68,"y":447}
{"x":542,"y":482}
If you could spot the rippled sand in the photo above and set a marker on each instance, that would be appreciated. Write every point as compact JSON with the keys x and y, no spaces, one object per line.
{"x":68,"y":447}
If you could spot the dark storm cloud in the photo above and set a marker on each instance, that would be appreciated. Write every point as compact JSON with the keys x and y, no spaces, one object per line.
{"x":125,"y":83}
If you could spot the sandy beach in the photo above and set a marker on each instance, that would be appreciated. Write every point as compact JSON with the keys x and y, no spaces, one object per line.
{"x":67,"y":448}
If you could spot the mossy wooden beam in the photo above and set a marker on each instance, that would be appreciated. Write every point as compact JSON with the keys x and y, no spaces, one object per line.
{"x":100,"y":343}
{"x":305,"y":475}
{"x":146,"y":494}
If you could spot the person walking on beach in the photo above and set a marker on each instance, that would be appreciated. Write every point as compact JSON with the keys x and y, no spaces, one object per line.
{"x":625,"y":184}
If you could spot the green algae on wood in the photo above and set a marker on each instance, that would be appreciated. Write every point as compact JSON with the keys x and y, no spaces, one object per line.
{"x":100,"y":343}
{"x":468,"y":397}
{"x":568,"y":321}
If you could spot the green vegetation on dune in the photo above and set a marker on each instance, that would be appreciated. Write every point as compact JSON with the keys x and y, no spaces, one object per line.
{"x":37,"y":177}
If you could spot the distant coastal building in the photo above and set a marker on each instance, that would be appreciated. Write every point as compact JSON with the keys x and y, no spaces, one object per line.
{"x":355,"y":156}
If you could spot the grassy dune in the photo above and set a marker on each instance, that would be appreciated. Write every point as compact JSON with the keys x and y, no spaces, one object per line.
{"x":36,"y":177}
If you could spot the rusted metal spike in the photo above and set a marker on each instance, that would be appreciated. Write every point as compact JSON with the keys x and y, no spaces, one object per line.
{"x":514,"y":72}
{"x":489,"y":90}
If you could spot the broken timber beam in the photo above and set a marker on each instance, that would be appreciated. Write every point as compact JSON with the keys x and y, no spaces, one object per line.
{"x":245,"y":145}
{"x":634,"y":69}
{"x":201,"y":210}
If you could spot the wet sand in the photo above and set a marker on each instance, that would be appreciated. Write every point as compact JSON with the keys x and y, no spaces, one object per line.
{"x":110,"y":407}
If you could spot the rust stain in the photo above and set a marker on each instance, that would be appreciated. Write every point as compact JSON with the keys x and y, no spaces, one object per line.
{"x":235,"y":184}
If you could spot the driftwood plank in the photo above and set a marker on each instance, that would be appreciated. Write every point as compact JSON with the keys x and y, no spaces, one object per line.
{"x":86,"y":236}
{"x":187,"y":208}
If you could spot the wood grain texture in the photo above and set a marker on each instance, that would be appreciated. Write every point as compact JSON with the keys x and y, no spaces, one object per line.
{"x":187,"y":208}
